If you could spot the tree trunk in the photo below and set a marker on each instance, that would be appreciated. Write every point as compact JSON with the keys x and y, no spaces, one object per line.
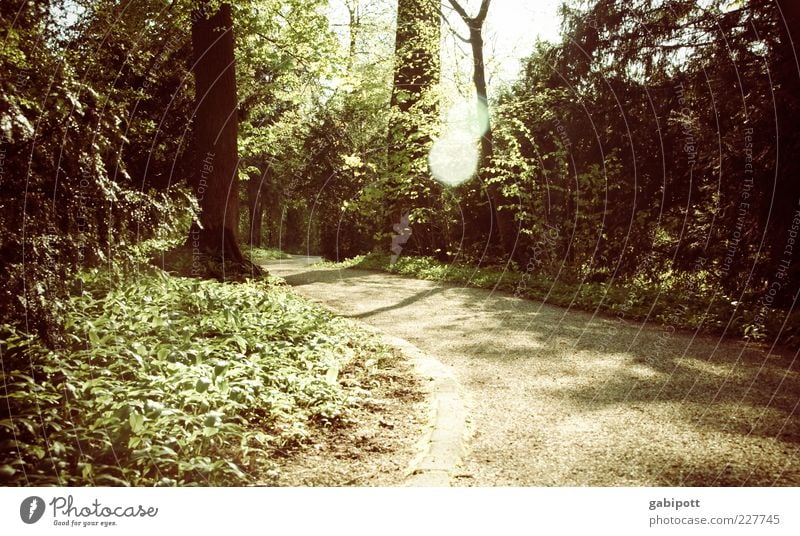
{"x":479,"y":79}
{"x":355,"y":26}
{"x":216,"y":126}
{"x":497,"y":226}
{"x":256,"y":201}
{"x":416,"y":75}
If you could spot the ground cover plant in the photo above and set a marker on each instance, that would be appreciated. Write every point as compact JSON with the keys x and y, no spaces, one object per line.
{"x":169,"y":380}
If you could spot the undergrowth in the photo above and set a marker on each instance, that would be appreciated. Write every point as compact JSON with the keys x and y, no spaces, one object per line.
{"x":166,"y":380}
{"x":629,"y":300}
{"x":263,"y":255}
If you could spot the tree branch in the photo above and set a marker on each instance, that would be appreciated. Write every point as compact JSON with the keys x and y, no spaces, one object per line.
{"x":472,"y":22}
{"x":283,"y":48}
{"x":450,"y":26}
{"x":461,"y":12}
{"x":482,"y":13}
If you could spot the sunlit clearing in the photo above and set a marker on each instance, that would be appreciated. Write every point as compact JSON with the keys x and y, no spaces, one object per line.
{"x":454,"y":156}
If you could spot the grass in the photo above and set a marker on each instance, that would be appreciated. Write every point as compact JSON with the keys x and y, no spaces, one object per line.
{"x":677,"y":307}
{"x":169,"y":380}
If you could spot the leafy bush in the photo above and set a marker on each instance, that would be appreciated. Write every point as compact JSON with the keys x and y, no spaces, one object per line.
{"x":74,"y":192}
{"x":171,"y":381}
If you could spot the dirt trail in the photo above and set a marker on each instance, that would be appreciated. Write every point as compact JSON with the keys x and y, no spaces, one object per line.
{"x":560,"y":398}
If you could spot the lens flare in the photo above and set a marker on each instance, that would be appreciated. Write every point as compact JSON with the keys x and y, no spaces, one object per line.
{"x":454,"y":158}
{"x":455,"y":154}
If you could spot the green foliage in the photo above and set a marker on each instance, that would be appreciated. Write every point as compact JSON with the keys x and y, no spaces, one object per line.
{"x":85,"y":171}
{"x":172,"y":381}
{"x":263,"y":255}
{"x":602,"y":152}
{"x":287,"y":57}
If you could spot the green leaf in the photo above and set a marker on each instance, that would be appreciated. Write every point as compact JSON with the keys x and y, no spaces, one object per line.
{"x":6,"y":472}
{"x":136,"y":421}
{"x":110,"y":480}
{"x":93,"y":337}
{"x":202,"y":385}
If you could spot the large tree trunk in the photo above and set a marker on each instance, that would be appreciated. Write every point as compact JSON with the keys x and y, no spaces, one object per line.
{"x":416,"y":75}
{"x":216,"y":125}
{"x":417,"y":63}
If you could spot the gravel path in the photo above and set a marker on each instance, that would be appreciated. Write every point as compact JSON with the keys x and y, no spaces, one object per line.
{"x":560,"y":398}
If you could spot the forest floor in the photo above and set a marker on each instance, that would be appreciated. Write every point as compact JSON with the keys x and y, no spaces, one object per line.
{"x":375,"y":450}
{"x":562,"y":398}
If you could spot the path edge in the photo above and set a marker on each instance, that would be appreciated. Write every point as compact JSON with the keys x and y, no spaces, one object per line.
{"x":441,"y":448}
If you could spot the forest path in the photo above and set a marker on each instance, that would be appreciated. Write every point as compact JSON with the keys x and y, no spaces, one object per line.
{"x":562,"y":398}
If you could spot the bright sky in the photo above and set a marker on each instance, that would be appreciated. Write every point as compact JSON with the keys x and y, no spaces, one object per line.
{"x":512,"y":28}
{"x":510,"y":31}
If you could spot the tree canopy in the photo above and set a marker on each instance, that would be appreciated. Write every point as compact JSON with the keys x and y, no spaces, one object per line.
{"x":154,"y":154}
{"x":653,"y":143}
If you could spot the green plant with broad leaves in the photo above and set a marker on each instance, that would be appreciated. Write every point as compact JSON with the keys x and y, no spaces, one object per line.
{"x":172,"y":381}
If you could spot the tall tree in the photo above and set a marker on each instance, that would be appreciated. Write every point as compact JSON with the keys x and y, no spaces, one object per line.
{"x":475,"y":40}
{"x":414,"y":116}
{"x":417,"y":66}
{"x":216,"y":130}
{"x":497,"y":226}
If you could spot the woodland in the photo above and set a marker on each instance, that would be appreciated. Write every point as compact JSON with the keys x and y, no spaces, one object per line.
{"x":155,"y":154}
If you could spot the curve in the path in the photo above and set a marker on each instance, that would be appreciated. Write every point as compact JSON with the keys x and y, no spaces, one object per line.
{"x":560,"y":398}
